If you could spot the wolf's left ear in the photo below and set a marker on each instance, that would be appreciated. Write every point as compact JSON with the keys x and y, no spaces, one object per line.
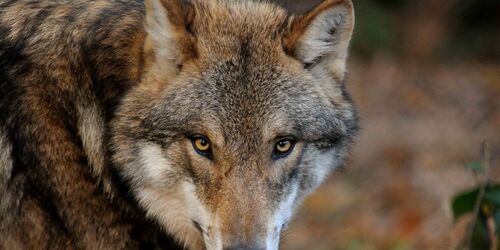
{"x":167,"y":24}
{"x":320,"y":38}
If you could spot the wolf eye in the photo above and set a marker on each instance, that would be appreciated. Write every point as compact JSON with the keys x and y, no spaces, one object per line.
{"x":202,"y":146}
{"x":283,"y":148}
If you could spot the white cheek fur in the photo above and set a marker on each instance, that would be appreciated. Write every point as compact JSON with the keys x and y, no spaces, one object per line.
{"x":177,"y":206}
{"x":174,"y":207}
{"x":153,"y":162}
{"x":324,"y":164}
{"x":281,"y":216}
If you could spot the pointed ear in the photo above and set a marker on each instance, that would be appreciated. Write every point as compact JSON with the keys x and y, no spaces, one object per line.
{"x":320,"y":38}
{"x":167,"y":23}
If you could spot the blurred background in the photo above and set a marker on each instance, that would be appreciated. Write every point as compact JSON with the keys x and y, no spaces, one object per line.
{"x":425,"y":75}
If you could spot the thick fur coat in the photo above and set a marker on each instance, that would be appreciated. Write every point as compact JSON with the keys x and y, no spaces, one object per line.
{"x":102,"y":104}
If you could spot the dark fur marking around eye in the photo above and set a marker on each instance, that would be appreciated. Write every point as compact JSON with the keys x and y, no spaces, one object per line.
{"x":332,"y":31}
{"x":293,"y":174}
{"x":313,"y":63}
{"x":329,"y":142}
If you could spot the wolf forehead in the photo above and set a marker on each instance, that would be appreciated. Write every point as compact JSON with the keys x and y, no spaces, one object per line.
{"x":265,"y":101}
{"x":221,"y":27}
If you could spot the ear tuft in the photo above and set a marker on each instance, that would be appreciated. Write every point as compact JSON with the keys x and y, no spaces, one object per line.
{"x":322,"y":36}
{"x":167,"y":24}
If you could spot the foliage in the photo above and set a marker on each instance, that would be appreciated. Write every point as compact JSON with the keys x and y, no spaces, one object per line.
{"x":484,"y":202}
{"x":375,"y":28}
{"x":467,"y":28}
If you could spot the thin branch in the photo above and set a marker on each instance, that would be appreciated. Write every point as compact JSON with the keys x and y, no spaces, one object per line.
{"x":483,"y":184}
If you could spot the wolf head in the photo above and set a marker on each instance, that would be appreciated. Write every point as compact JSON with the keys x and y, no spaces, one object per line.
{"x":241,"y":112}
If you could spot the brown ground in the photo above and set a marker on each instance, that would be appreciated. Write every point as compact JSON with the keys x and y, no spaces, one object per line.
{"x":420,"y":125}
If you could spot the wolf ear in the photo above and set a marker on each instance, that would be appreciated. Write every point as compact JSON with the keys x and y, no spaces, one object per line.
{"x":320,"y":38}
{"x":167,"y":24}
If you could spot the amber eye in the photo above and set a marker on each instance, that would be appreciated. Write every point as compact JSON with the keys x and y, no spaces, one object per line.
{"x":283,"y":148}
{"x":202,"y":146}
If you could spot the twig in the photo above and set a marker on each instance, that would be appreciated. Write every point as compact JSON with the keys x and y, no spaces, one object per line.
{"x":482,"y":188}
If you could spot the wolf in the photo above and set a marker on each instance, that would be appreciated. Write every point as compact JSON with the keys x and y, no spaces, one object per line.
{"x":168,"y":124}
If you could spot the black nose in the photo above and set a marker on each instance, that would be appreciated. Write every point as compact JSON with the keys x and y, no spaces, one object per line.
{"x":243,"y":247}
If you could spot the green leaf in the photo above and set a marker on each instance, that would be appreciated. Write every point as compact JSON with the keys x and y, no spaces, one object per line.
{"x":492,"y":194}
{"x":476,"y":166}
{"x":464,"y":203}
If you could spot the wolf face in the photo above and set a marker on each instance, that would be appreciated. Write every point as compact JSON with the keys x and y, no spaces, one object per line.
{"x":241,"y":112}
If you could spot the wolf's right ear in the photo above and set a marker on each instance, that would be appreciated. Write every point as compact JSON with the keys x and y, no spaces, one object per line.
{"x":167,"y":24}
{"x":320,"y":38}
